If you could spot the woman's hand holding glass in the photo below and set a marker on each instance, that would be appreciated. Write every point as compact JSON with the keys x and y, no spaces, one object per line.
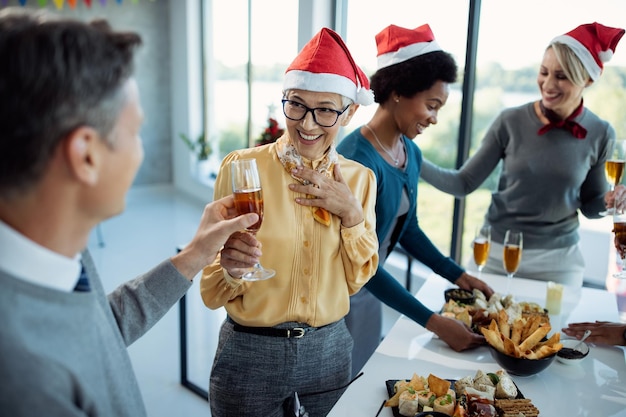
{"x":619,"y":229}
{"x":248,"y":199}
{"x":614,"y":169}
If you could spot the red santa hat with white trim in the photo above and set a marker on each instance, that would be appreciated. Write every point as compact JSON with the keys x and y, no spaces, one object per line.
{"x":594,"y":44}
{"x":326,"y":65}
{"x":397,"y":44}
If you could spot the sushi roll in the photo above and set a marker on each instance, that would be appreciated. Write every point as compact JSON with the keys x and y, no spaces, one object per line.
{"x":445,"y":403}
{"x":426,"y":397}
{"x":506,"y":388}
{"x":408,"y":403}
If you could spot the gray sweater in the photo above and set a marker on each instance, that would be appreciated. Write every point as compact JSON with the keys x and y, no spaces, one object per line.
{"x":64,"y":354}
{"x":545,"y":180}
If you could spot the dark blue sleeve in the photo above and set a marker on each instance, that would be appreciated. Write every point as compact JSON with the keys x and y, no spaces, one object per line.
{"x":388,"y":290}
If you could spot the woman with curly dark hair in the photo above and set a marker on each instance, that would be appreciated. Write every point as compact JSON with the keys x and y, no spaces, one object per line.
{"x":411,"y":85}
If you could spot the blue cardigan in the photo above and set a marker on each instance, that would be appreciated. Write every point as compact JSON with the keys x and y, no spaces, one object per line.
{"x":390,"y":182}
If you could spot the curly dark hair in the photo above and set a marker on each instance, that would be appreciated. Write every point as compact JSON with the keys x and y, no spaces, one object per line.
{"x":412,"y":76}
{"x":57,"y":74}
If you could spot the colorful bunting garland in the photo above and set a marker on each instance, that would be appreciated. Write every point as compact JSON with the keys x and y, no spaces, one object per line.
{"x":72,"y":3}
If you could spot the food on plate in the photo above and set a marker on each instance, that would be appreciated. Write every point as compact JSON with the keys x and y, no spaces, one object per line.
{"x":416,"y":383}
{"x":506,"y":388}
{"x":425,"y":398}
{"x":408,"y":403}
{"x":445,"y":403}
{"x":486,"y":386}
{"x":482,"y":311}
{"x":484,"y":394}
{"x":526,"y":340}
{"x":516,"y":407}
{"x":480,"y":409}
{"x":459,"y":295}
{"x":437,"y":385}
{"x":423,"y":394}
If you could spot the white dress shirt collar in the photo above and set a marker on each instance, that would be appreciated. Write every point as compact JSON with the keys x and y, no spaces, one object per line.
{"x":32,"y":262}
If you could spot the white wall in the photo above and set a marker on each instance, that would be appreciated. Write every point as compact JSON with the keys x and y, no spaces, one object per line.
{"x":186,"y":88}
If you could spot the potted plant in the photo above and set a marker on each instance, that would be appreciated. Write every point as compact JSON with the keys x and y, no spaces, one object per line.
{"x":200,"y":147}
{"x":270,"y":133}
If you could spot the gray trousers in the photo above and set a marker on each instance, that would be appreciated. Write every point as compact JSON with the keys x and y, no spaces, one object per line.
{"x":365,"y":323}
{"x":254,"y":375}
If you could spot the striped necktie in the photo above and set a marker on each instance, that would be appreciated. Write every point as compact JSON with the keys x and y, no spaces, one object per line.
{"x":83,"y":282}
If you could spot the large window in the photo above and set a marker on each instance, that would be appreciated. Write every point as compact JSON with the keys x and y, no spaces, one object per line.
{"x":448,"y":20}
{"x":248,"y":44}
{"x":511,"y":40}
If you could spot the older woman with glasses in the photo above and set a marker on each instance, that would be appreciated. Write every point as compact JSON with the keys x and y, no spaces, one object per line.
{"x":286,"y":334}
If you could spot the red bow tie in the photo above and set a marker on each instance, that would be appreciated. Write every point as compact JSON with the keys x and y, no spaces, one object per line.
{"x":568,"y":124}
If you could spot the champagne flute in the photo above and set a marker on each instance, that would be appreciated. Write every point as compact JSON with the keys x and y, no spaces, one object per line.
{"x":614,"y":169}
{"x":249,"y":199}
{"x":512,"y":255}
{"x":619,"y":228}
{"x":481,"y":245}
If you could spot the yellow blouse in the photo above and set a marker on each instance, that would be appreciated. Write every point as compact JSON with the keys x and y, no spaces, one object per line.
{"x":317,"y":267}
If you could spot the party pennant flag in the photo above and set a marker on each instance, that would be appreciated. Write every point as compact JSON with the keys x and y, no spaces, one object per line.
{"x":119,"y":1}
{"x":72,"y":3}
{"x":22,"y":2}
{"x":87,"y":2}
{"x":58,"y":3}
{"x":42,"y":3}
{"x":103,"y":2}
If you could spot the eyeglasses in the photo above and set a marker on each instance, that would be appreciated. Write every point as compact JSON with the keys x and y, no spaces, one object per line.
{"x":323,"y":116}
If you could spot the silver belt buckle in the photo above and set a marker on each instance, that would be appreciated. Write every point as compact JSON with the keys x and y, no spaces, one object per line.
{"x":296,"y":333}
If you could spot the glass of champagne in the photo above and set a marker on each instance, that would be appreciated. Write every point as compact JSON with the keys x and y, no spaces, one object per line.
{"x":249,"y":199}
{"x":512,"y":255}
{"x":614,"y":168}
{"x":481,"y":245}
{"x":619,"y":228}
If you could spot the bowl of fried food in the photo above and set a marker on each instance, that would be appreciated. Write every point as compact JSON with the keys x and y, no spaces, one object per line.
{"x":522,"y":348}
{"x":459,"y":295}
{"x":570,"y":356}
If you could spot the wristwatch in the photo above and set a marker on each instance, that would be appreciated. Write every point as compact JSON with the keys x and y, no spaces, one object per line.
{"x":624,"y":335}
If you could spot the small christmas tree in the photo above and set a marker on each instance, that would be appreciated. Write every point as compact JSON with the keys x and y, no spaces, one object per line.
{"x":271,"y":132}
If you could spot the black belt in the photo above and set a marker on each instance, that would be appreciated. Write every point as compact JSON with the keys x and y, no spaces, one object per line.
{"x":294,"y":332}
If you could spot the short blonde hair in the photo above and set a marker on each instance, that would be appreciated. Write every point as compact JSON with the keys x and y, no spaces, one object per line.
{"x":573,"y":68}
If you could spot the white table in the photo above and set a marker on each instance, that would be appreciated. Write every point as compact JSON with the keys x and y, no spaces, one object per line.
{"x":595,"y":387}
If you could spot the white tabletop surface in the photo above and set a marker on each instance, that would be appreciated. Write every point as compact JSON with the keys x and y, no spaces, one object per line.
{"x":595,"y":387}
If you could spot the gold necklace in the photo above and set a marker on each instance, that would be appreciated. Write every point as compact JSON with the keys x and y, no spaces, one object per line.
{"x":395,"y":159}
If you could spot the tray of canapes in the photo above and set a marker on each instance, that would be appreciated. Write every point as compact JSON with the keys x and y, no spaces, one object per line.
{"x":482,"y":394}
{"x":481,"y":311}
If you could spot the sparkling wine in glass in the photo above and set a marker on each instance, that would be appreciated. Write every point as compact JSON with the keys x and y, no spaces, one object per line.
{"x":619,"y":229}
{"x":614,"y":168}
{"x":512,"y":255}
{"x":481,"y":245}
{"x":249,"y":199}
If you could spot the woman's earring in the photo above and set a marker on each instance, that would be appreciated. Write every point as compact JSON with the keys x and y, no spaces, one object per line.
{"x":397,"y":99}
